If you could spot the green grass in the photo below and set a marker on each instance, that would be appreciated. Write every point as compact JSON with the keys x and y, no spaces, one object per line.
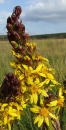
{"x":55,"y":51}
{"x":5,"y":58}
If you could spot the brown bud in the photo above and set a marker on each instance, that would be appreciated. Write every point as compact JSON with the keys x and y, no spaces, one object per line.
{"x":23,"y":52}
{"x":9,"y":27}
{"x":14,"y":18}
{"x":17,"y":10}
{"x":30,"y":62}
{"x":20,"y":49}
{"x":25,"y":37}
{"x":14,"y":44}
{"x":23,"y":28}
{"x":34,"y":48}
{"x":10,"y":36}
{"x":16,"y":35}
{"x":17,"y":26}
{"x":9,"y":20}
{"x":30,"y":49}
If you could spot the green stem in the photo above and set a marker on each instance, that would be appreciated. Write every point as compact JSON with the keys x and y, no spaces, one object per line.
{"x":44,"y":127}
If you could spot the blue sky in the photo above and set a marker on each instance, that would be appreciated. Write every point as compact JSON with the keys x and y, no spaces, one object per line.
{"x":38,"y":16}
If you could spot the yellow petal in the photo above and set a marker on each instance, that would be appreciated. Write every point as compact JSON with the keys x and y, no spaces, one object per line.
{"x":42,"y":74}
{"x":47,"y":121}
{"x":46,"y":81}
{"x":12,"y":64}
{"x":35,"y":98}
{"x":53,"y":103}
{"x":13,"y":114}
{"x":31,"y":99}
{"x":4,"y":105}
{"x":26,"y":57}
{"x":11,"y":110}
{"x":39,"y":68}
{"x":41,"y":84}
{"x":45,"y":59}
{"x":9,"y":126}
{"x":5,"y":120}
{"x":30,"y":68}
{"x":21,"y":77}
{"x":25,"y":66}
{"x":60,"y":92}
{"x":35,"y":109}
{"x":37,"y":81}
{"x":50,"y":76}
{"x":37,"y":119}
{"x":40,"y":122}
{"x":43,"y":92}
{"x":55,"y":82}
{"x":29,"y":80}
{"x":53,"y":116}
{"x":16,"y":54}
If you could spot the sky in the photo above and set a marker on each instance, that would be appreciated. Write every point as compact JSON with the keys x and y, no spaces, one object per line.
{"x":38,"y":16}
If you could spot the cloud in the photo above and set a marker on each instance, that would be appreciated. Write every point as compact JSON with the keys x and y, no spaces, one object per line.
{"x":45,"y":10}
{"x":2,"y":1}
{"x":3,"y":16}
{"x":1,"y":21}
{"x":40,"y":16}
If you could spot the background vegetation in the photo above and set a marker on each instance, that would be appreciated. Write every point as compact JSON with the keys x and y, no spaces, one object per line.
{"x":42,"y":36}
{"x":55,"y":50}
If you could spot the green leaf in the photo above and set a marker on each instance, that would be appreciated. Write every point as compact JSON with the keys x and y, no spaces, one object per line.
{"x":15,"y":127}
{"x":50,"y":125}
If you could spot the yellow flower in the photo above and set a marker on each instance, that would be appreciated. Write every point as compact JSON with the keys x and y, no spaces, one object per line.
{"x":22,"y":99}
{"x":9,"y":112}
{"x":32,"y":45}
{"x":43,"y":71}
{"x":43,"y":115}
{"x":26,"y":58}
{"x":48,"y":75}
{"x":36,"y":89}
{"x":59,"y":102}
{"x":16,"y":54}
{"x":40,"y":58}
{"x":23,"y":86}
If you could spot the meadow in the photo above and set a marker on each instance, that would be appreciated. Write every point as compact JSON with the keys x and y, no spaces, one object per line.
{"x":53,"y":49}
{"x":5,"y":57}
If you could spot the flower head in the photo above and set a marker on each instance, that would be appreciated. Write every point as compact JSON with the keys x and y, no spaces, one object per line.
{"x":58,"y":102}
{"x":9,"y":112}
{"x":36,"y":89}
{"x":43,"y":115}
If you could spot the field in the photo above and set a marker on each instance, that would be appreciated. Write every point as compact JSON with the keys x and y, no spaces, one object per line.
{"x":5,"y":57}
{"x":53,"y":49}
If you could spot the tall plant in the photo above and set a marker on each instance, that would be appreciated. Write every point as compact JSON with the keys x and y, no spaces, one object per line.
{"x":32,"y":84}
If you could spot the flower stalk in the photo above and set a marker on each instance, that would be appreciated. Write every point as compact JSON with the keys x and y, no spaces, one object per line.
{"x":31,"y":84}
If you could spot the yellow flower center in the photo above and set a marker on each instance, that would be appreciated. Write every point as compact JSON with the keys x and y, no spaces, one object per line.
{"x":34,"y":89}
{"x":44,"y":112}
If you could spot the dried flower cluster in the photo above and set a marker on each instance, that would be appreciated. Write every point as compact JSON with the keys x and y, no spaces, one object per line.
{"x":10,"y":87}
